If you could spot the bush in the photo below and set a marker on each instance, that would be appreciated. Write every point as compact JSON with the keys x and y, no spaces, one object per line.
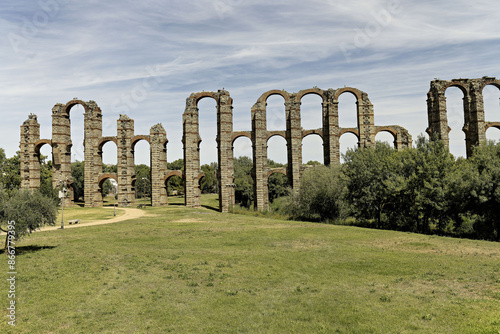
{"x":320,"y":196}
{"x":30,"y":210}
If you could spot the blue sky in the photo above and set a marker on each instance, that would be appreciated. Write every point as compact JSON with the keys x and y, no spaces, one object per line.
{"x":144,"y":58}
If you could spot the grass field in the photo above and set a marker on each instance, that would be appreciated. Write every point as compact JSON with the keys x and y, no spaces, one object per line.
{"x":180,"y":270}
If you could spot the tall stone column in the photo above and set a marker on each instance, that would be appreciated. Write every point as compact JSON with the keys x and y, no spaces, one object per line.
{"x":366,"y":121}
{"x":331,"y":129}
{"x":93,"y":160}
{"x":61,"y":148}
{"x":294,"y":141}
{"x":125,"y":161}
{"x":30,"y":164}
{"x":225,"y":172}
{"x":436,"y":109}
{"x":259,"y":142}
{"x":476,"y":135}
{"x":191,"y":140}
{"x":158,"y":141}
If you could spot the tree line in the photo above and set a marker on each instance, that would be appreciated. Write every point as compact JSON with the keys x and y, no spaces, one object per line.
{"x":422,"y":189}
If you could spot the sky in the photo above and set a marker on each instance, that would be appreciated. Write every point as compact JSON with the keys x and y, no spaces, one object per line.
{"x":144,"y":58}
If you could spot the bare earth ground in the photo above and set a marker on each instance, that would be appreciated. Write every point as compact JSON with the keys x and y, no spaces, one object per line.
{"x":130,"y":213}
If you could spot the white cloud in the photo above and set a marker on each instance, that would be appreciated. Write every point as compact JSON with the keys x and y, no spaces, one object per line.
{"x":104,"y":51}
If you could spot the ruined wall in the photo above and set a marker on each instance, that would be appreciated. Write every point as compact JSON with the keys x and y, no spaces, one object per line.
{"x":125,"y":141}
{"x":474,"y":122}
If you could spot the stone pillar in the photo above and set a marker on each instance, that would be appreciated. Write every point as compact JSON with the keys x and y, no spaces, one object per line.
{"x":61,"y":148}
{"x":331,"y":129}
{"x":436,"y":109}
{"x":476,"y":134}
{"x":158,"y":142}
{"x":30,"y":163}
{"x":93,"y":160}
{"x":366,"y":122}
{"x":294,"y":141}
{"x":225,"y":172}
{"x":259,"y":143}
{"x":125,"y":161}
{"x":191,"y":140}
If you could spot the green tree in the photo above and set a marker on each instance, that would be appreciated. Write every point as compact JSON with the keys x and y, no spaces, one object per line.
{"x":176,"y":165}
{"x":208,"y":182}
{"x":143,"y":181}
{"x":243,"y":181}
{"x":476,"y":190}
{"x":11,"y":172}
{"x":77,"y":173}
{"x":320,"y":196}
{"x":368,"y":172}
{"x":30,"y":210}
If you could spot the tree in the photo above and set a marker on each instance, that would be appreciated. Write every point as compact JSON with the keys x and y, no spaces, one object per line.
{"x":10,"y":173}
{"x":208,"y":183}
{"x":243,"y":181}
{"x":368,"y":172}
{"x":143,"y":181}
{"x":77,"y":173}
{"x":176,"y":165}
{"x":320,"y":196}
{"x":476,"y":190}
{"x":30,"y":210}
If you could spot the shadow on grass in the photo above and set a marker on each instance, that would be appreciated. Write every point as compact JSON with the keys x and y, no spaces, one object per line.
{"x":30,"y":249}
{"x":210,"y":207}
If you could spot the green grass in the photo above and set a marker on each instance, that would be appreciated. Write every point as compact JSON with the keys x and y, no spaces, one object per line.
{"x":180,"y":270}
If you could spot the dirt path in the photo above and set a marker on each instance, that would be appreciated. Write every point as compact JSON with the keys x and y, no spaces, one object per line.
{"x":130,"y":213}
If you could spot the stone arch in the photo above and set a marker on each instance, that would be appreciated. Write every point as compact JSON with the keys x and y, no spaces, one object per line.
{"x":191,"y":140}
{"x":306,"y":142}
{"x":474,"y":125}
{"x":100,"y":183}
{"x":387,"y":129}
{"x":171,"y":174}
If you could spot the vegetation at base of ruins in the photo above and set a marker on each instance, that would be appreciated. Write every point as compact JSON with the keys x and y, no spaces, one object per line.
{"x":182,"y":270}
{"x":77,"y":173}
{"x":422,"y":189}
{"x":142,"y":181}
{"x":29,"y":209}
{"x":208,"y":183}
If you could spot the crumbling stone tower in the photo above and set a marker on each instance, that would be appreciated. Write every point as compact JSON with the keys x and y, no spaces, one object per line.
{"x":475,"y":125}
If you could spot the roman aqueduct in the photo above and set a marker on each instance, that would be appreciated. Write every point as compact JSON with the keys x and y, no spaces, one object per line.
{"x":330,"y":132}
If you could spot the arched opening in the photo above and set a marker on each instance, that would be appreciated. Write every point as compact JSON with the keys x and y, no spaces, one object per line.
{"x":142,"y":170}
{"x":348,"y":110}
{"x":243,"y":165}
{"x":456,"y":120}
{"x":77,"y":121}
{"x":491,"y":98}
{"x":242,"y":147}
{"x":141,"y":151}
{"x":175,"y":189}
{"x":312,"y":150}
{"x":493,"y":134}
{"x":277,"y":151}
{"x":109,"y":155}
{"x":275,"y":113}
{"x":44,"y":153}
{"x":207,"y":113}
{"x":108,"y":190}
{"x":209,"y":187}
{"x":347,"y":141}
{"x":311,"y":111}
{"x":386,"y":137}
{"x":278,"y":185}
